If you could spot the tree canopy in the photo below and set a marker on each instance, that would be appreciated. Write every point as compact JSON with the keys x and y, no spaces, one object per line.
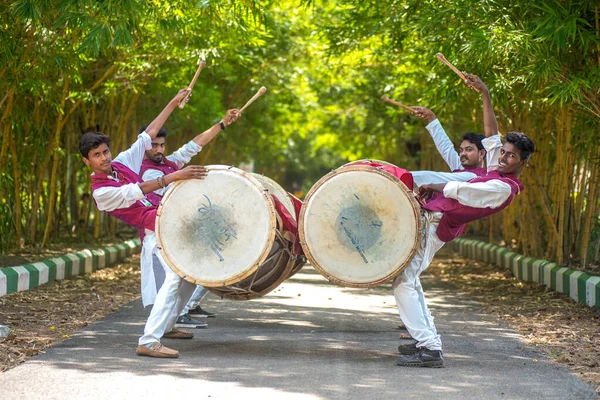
{"x":68,"y":66}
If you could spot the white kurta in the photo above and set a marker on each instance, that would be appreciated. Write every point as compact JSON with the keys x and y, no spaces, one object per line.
{"x":180,"y":158}
{"x":175,"y":292}
{"x":112,"y":198}
{"x":450,"y":156}
{"x":407,"y":288}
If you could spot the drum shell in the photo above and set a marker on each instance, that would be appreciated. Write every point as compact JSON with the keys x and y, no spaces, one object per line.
{"x":275,"y":263}
{"x":413,"y":212}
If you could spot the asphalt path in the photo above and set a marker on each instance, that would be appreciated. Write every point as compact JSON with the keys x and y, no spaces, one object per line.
{"x":309,"y":339}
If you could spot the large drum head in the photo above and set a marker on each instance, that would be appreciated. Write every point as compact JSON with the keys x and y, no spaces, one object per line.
{"x":218,"y":230}
{"x":359,"y":226}
{"x":274,"y":188}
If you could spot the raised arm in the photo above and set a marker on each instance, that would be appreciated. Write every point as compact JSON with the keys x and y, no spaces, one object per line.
{"x":159,"y":121}
{"x":440,"y":138}
{"x":490,"y":125}
{"x":205,"y":137}
{"x":185,"y":153}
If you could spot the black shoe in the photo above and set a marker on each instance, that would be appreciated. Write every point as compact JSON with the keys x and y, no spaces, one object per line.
{"x":199,"y":312}
{"x":185,"y":321}
{"x":408,"y":349}
{"x":422,"y":358}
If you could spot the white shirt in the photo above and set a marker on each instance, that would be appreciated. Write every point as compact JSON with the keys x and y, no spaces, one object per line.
{"x":448,"y":153}
{"x":180,"y":157}
{"x":444,"y":145}
{"x":492,"y":193}
{"x":112,"y":198}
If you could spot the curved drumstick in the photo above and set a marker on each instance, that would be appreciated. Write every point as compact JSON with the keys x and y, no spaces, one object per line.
{"x":260,"y":92}
{"x":441,"y":57}
{"x":397,"y":103}
{"x":462,"y":76}
{"x":191,"y":86}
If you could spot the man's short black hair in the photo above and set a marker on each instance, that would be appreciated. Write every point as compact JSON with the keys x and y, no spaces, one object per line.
{"x":92,"y":140}
{"x":522,"y":142}
{"x":161,"y":133}
{"x":474,"y":138}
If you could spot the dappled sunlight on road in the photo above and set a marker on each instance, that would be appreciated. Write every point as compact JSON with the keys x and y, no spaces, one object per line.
{"x":309,"y":339}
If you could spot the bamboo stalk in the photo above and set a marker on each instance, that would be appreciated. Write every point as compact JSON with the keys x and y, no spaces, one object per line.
{"x":54,"y":150}
{"x":7,"y":112}
{"x":17,"y":183}
{"x":591,"y":202}
{"x":97,"y":222}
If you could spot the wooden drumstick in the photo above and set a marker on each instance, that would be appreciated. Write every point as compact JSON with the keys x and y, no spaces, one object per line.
{"x":441,"y":57}
{"x":397,"y":103}
{"x":260,"y":92}
{"x":191,"y":86}
{"x":462,"y":76}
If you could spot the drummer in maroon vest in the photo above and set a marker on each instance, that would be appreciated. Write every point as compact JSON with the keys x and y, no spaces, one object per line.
{"x":448,"y":208}
{"x":465,"y":164}
{"x":118,"y":190}
{"x":155,"y":166}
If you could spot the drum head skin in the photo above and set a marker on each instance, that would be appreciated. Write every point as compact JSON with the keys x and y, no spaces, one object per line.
{"x":274,"y":188}
{"x":360,"y":226}
{"x":217,"y":230}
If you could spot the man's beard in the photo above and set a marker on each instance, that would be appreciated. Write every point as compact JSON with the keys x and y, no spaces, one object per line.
{"x":157,"y":158}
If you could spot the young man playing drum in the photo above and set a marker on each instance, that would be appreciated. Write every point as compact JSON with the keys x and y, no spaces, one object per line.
{"x":448,"y":208}
{"x":155,"y":166}
{"x":118,"y":190}
{"x":465,"y":164}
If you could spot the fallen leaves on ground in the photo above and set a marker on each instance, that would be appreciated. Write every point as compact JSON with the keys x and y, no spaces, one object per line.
{"x":569,"y":333}
{"x":50,"y":313}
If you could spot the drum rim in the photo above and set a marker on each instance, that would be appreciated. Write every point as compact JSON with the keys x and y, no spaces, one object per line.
{"x":277,"y":185}
{"x":266,"y":249}
{"x":350,"y":164}
{"x":367,"y":168}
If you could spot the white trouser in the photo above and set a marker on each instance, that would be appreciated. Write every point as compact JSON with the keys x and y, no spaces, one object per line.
{"x":170,"y":300}
{"x":409,"y":294}
{"x":196,"y":299}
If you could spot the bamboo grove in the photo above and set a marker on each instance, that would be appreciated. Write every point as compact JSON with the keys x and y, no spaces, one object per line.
{"x":68,"y":66}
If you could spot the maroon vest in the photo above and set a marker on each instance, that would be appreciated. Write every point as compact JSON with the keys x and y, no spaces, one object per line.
{"x":165,"y":166}
{"x":457,"y":216}
{"x":139,"y":215}
{"x":474,"y":170}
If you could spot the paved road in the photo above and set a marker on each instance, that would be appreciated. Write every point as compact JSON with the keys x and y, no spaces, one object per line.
{"x":308,"y":340}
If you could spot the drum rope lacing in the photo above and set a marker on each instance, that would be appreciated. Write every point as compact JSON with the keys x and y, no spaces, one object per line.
{"x":248,"y":290}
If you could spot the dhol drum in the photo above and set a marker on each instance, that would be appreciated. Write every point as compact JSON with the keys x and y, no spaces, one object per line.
{"x":227,"y":233}
{"x":292,"y":206}
{"x":360,"y":225}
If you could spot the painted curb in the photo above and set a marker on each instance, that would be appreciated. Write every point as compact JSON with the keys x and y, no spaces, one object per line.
{"x":28,"y":276}
{"x":579,"y":286}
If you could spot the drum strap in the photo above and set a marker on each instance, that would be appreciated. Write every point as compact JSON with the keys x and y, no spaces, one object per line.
{"x":425,"y":220}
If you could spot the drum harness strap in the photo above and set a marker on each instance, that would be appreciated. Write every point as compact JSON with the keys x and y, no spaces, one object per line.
{"x":426,"y":218}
